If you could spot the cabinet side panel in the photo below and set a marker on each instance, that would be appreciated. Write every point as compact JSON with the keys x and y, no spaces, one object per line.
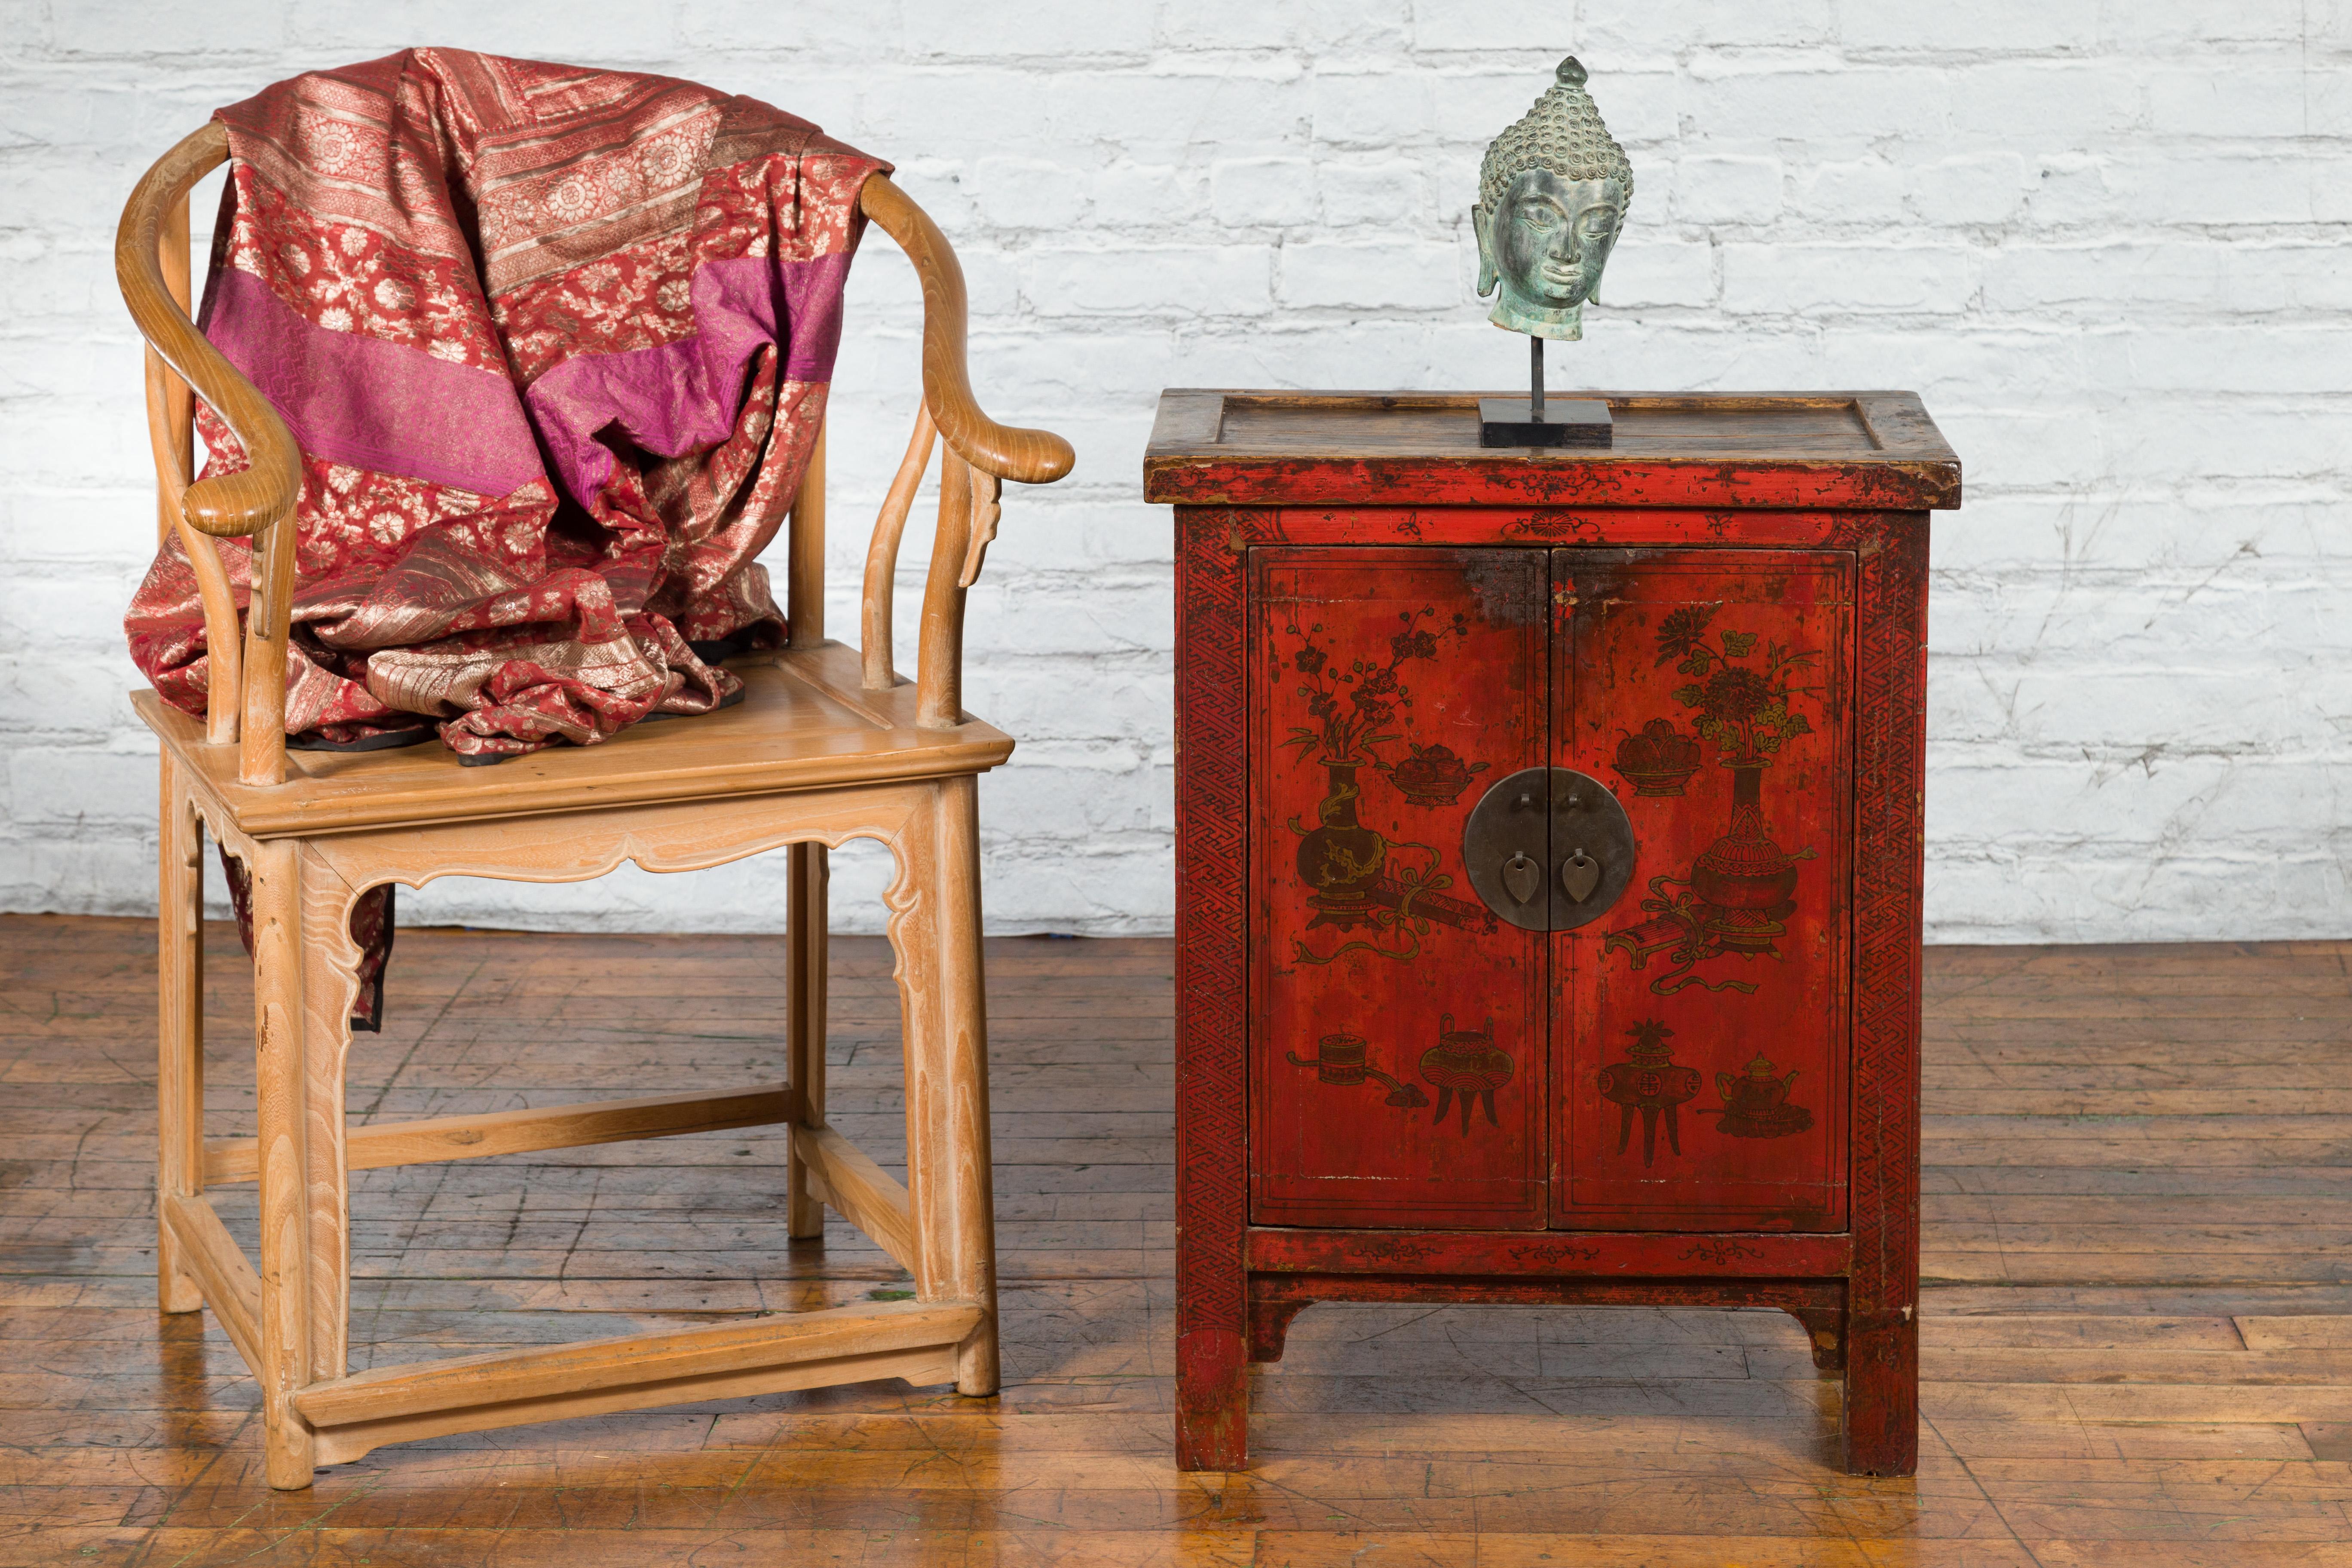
{"x":1397,"y":1048}
{"x":1881,"y":1403}
{"x":1705,"y":1086}
{"x":1211,"y":1296}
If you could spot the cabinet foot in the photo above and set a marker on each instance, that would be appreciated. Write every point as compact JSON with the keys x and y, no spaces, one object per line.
{"x":1881,"y":1395}
{"x":1211,"y":1401}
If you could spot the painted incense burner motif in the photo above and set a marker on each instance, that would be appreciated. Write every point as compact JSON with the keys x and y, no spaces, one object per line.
{"x":1465,"y":1063}
{"x":1354,"y":876}
{"x":1649,"y":1081}
{"x":1741,"y":889}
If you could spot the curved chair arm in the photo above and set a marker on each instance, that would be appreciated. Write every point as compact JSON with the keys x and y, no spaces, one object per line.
{"x":256,"y":501}
{"x":1032,"y":457}
{"x":224,"y":504}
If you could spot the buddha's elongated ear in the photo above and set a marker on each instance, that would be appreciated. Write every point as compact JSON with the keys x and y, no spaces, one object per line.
{"x":1481,"y":224}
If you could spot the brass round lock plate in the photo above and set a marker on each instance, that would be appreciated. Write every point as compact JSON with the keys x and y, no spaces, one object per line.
{"x":1549,"y":848}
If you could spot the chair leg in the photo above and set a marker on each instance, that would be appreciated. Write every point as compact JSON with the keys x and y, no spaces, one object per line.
{"x":808,"y":874}
{"x":180,"y":1032}
{"x":329,"y":960}
{"x":946,"y":1073}
{"x":282,"y":1102}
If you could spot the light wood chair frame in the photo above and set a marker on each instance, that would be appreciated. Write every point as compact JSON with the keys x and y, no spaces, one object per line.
{"x":311,"y":847}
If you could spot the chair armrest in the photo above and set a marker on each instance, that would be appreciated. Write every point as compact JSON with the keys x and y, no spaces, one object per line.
{"x":264,"y":491}
{"x":1032,"y":457}
{"x":257,"y":499}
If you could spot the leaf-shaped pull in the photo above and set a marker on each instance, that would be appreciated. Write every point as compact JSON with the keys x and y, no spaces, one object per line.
{"x":1579,"y":874}
{"x":1522,"y":878}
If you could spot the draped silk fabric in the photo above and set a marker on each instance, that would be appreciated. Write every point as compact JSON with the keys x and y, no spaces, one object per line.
{"x":555,"y":344}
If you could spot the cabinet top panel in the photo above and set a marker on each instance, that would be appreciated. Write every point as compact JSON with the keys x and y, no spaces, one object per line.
{"x":1871,"y":450}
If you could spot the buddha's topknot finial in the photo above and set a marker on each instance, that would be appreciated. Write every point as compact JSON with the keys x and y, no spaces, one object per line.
{"x":1562,"y":133}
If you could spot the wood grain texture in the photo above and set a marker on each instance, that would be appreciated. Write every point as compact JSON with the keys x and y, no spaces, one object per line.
{"x":1874,"y":450}
{"x":805,"y":722}
{"x":2071,"y":1415}
{"x":234,"y":504}
{"x":804,"y":551}
{"x":501,"y":1376}
{"x":522,"y":1132}
{"x":875,"y":600}
{"x":290,"y":1318}
{"x":1031,"y":457}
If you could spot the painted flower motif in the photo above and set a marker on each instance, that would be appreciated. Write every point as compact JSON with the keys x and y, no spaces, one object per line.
{"x":1310,"y":659}
{"x":1733,"y":693}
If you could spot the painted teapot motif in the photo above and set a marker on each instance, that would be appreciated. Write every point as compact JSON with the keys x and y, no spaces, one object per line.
{"x":1756,"y":1103}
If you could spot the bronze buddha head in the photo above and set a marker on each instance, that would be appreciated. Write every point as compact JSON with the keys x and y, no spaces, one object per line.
{"x":1552,"y":193}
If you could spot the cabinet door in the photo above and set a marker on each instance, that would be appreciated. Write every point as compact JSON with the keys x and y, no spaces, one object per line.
{"x":1703,"y":1055}
{"x":1399,"y":1058}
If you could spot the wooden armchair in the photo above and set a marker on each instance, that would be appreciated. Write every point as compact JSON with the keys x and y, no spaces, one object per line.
{"x":828,"y":745}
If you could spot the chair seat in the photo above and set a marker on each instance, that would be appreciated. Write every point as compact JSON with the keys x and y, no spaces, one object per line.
{"x":805,"y":722}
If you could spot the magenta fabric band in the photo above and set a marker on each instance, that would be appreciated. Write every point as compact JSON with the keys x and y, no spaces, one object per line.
{"x":681,"y":395}
{"x":373,"y":404}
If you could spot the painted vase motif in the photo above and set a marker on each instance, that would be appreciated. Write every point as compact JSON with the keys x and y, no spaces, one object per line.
{"x":1340,"y":859}
{"x":1467,"y":1064}
{"x":1741,"y":889}
{"x":1744,"y":881}
{"x":1756,"y":1103}
{"x":1651,"y":1082}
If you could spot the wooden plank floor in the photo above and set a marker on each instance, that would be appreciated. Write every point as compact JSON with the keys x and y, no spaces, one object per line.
{"x":2138,"y":1329}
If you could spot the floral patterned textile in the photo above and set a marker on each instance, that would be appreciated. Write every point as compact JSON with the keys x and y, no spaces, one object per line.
{"x":555,"y":344}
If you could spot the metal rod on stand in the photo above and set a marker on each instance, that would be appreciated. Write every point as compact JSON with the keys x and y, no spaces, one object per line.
{"x":1535,"y":379}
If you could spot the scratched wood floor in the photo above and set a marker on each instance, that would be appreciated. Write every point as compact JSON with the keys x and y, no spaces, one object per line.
{"x":2139,"y":1326}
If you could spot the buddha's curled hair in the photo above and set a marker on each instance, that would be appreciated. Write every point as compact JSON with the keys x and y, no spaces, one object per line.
{"x":1562,"y":133}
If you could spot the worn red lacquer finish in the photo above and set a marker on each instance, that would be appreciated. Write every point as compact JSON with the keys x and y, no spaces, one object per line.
{"x":1705,"y":1092}
{"x":1396,"y":1052}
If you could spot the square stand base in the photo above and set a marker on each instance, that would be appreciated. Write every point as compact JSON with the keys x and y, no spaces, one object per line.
{"x":1567,"y":422}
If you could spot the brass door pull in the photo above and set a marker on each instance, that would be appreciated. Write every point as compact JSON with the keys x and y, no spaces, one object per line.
{"x":1579,"y":874}
{"x":1546,"y":816}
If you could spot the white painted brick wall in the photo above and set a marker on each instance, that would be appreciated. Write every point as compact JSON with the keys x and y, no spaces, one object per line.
{"x":2110,"y":243}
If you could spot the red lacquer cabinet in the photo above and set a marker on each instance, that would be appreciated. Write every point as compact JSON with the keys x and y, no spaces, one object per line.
{"x":1549,"y":837}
